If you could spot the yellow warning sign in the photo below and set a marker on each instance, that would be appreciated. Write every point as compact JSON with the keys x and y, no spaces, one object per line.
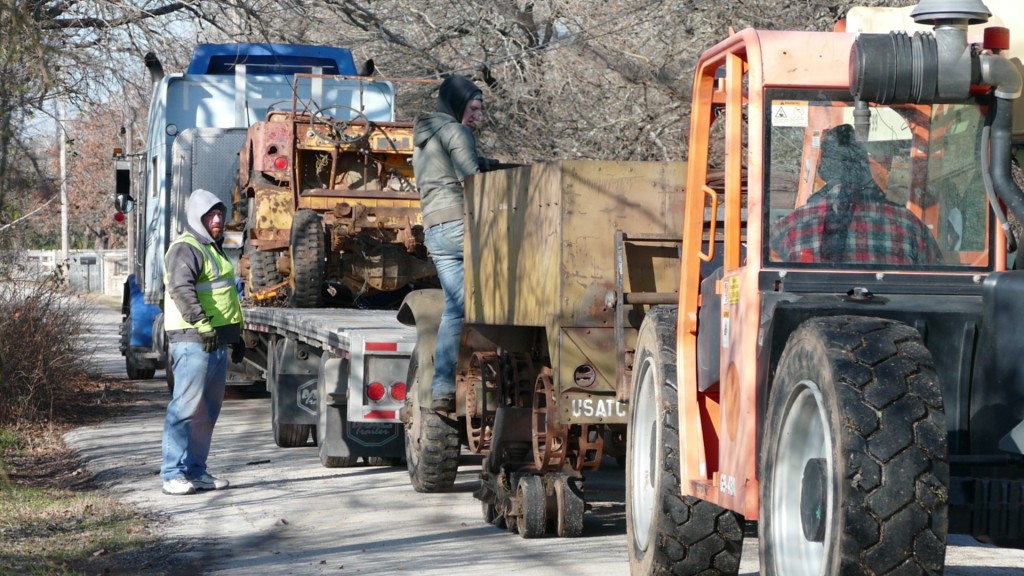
{"x":789,"y":113}
{"x":734,"y":291}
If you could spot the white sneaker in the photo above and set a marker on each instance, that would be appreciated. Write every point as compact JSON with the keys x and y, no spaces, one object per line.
{"x":179,"y":486}
{"x":208,"y":482}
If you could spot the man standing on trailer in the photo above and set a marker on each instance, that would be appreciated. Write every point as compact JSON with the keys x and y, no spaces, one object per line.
{"x":202,"y":318}
{"x":444,"y":156}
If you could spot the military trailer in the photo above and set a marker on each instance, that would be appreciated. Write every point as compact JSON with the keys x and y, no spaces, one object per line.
{"x":562,"y":261}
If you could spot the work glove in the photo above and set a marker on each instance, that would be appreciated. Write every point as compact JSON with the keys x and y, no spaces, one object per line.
{"x":208,"y":335}
{"x":237,"y":352}
{"x":486,"y":164}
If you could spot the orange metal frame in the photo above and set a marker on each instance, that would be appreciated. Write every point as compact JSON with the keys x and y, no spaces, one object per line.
{"x":718,"y":427}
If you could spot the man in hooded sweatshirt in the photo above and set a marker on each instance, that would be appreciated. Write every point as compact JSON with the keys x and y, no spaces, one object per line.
{"x":202,"y":318}
{"x":444,"y":156}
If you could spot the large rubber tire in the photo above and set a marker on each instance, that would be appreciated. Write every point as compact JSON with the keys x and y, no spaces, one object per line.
{"x":854,"y":473}
{"x":308,"y":248}
{"x":263,"y":271}
{"x":530,"y":493}
{"x":288,"y":435}
{"x":131,"y":366}
{"x":668,"y":533}
{"x":570,"y":506}
{"x":134,"y":371}
{"x":431,"y":442}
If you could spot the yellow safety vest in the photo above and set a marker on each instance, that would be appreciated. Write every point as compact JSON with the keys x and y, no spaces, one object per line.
{"x":215,"y":288}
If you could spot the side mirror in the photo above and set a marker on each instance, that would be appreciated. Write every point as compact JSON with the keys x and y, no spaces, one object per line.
{"x":123,"y":201}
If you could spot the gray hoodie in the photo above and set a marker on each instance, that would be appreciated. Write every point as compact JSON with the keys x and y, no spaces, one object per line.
{"x":184,"y":263}
{"x":445,"y":153}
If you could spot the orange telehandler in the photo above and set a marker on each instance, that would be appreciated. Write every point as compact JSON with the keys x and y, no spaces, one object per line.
{"x":857,"y":405}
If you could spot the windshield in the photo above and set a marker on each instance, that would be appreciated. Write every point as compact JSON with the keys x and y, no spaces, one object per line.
{"x":901,"y":189}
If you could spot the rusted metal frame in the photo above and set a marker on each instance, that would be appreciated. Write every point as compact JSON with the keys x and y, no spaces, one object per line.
{"x":624,"y":358}
{"x":361,"y":194}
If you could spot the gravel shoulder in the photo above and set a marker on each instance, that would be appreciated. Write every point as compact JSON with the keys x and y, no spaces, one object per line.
{"x":285,"y":514}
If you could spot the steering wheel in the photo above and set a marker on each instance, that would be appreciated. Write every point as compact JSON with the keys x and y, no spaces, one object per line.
{"x":339,"y":126}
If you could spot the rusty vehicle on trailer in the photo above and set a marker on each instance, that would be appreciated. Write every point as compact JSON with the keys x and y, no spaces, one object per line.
{"x":858,"y":401}
{"x":327,"y":198}
{"x":562,"y":261}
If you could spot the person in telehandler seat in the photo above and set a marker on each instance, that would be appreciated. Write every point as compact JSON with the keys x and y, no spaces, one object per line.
{"x":849,"y":219}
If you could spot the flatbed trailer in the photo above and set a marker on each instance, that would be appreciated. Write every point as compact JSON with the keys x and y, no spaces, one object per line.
{"x":336,"y":375}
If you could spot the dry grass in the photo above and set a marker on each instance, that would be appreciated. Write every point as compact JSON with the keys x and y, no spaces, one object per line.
{"x":53,"y":518}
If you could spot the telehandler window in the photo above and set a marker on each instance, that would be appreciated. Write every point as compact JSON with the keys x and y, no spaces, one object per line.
{"x":897,"y":187}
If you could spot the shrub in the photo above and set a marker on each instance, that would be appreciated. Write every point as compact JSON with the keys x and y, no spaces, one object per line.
{"x":41,"y":347}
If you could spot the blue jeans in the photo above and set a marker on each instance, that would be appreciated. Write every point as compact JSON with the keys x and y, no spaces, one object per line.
{"x":446,"y":248}
{"x":199,"y":380}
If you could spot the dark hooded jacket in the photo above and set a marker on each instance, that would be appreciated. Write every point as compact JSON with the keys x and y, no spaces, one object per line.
{"x":184,"y":263}
{"x":445,"y":152}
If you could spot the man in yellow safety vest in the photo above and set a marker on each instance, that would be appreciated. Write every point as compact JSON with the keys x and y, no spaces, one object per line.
{"x":202,"y":319}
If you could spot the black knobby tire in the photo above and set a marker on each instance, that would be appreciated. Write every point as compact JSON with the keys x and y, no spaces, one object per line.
{"x":263,"y":271}
{"x":308,"y":249}
{"x":383,"y":461}
{"x":134,"y":371}
{"x":131,"y":367}
{"x":431,"y":442}
{"x":854,"y":472}
{"x":288,"y":435}
{"x":668,"y":533}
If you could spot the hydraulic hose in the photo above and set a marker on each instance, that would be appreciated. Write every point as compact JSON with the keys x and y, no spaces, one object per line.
{"x":999,"y":121}
{"x":990,"y":192}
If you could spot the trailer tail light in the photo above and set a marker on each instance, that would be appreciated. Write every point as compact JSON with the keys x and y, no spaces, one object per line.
{"x":280,"y":163}
{"x":375,"y":391}
{"x":398,"y":391}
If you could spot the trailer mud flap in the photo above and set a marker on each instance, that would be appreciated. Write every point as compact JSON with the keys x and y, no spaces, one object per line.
{"x":292,"y":381}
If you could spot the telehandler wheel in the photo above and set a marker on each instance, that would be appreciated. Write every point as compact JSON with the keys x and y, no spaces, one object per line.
{"x":530,"y":494}
{"x":431,"y":442}
{"x":668,"y":533}
{"x":854,"y":476}
{"x":307,"y":249}
{"x":571,"y":507}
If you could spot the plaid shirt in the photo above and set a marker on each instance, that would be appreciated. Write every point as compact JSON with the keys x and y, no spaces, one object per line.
{"x":877,"y":233}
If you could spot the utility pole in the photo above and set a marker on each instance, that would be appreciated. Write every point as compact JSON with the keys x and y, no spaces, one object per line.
{"x":65,"y":257}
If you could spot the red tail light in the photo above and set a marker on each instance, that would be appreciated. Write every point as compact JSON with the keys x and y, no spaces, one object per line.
{"x":398,"y":391}
{"x":375,"y":391}
{"x":280,"y":163}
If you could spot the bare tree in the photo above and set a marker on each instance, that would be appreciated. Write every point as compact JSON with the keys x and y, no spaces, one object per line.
{"x":562,"y":78}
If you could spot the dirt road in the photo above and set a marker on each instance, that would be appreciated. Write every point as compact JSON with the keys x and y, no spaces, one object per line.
{"x":285,"y":514}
